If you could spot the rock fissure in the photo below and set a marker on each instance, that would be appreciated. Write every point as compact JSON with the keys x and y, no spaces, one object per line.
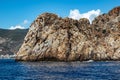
{"x":69,"y":45}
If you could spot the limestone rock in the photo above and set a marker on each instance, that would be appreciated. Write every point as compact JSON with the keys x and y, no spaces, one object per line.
{"x":53,"y":38}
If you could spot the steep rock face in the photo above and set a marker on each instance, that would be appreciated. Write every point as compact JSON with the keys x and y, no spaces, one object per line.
{"x":53,"y":38}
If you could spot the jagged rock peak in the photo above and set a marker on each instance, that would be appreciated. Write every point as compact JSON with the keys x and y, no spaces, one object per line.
{"x":112,"y":14}
{"x":115,"y":11}
{"x":64,"y":39}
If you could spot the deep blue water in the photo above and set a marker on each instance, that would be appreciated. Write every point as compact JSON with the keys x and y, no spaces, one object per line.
{"x":12,"y":70}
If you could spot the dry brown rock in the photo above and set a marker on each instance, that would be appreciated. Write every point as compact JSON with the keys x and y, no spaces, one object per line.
{"x":115,"y":11}
{"x":53,"y":38}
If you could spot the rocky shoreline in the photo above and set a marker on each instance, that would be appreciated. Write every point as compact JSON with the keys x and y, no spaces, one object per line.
{"x":52,"y":38}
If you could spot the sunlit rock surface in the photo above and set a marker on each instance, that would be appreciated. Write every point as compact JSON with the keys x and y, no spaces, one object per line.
{"x":56,"y":39}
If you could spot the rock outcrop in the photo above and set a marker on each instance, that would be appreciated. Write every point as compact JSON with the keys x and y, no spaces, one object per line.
{"x":53,"y":38}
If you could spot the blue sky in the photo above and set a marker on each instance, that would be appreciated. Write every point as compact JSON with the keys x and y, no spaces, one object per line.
{"x":21,"y":13}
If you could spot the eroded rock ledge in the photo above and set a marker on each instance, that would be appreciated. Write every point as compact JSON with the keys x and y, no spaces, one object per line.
{"x":53,"y":38}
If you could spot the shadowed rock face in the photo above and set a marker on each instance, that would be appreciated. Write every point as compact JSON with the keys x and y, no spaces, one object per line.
{"x":53,"y":38}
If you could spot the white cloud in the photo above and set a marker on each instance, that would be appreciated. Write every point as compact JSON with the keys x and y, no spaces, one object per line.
{"x":20,"y":26}
{"x":17,"y":27}
{"x":75,"y":14}
{"x":25,"y":21}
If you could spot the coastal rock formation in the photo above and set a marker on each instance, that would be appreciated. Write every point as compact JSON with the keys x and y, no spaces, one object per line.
{"x":53,"y":38}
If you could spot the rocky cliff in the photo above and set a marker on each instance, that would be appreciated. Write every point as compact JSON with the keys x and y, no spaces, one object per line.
{"x":53,"y":38}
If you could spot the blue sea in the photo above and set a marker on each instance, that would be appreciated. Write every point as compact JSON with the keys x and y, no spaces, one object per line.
{"x":103,"y":70}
